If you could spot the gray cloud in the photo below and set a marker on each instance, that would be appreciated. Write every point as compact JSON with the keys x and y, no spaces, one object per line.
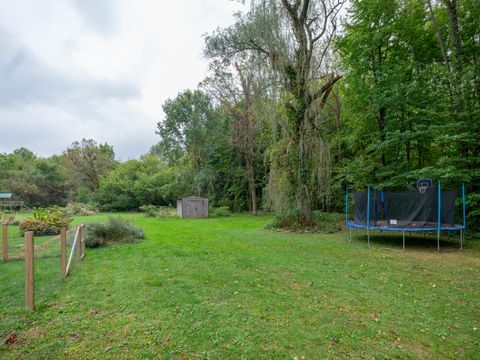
{"x":97,"y":14}
{"x":97,"y":69}
{"x":24,"y":79}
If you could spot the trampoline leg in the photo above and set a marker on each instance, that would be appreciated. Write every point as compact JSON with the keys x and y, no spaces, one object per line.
{"x":368,"y":237}
{"x":403,"y":232}
{"x":438,"y":241}
{"x":461,"y":239}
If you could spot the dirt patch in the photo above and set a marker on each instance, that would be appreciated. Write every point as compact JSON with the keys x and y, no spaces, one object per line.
{"x":11,"y":339}
{"x":420,"y":351}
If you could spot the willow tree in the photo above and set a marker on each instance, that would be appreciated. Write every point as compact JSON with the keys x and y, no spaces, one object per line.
{"x":294,"y":40}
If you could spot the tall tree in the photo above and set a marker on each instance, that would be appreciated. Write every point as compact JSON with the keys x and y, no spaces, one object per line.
{"x":410,"y":93}
{"x":190,"y":135}
{"x":88,"y":161}
{"x":294,"y":38}
{"x":236,"y":82}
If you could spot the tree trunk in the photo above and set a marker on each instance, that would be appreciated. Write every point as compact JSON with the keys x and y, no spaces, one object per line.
{"x":252,"y":186}
{"x":381,"y":125}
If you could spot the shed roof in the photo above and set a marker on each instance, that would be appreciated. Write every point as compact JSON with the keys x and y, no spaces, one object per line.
{"x":194,"y":198}
{"x":5,"y":195}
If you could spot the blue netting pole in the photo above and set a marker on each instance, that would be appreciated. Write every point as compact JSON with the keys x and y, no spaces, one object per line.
{"x":346,"y":204}
{"x":346,"y":214}
{"x":368,"y":215}
{"x":439,"y":215}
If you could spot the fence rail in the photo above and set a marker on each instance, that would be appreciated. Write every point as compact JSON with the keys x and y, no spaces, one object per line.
{"x":78,"y":246}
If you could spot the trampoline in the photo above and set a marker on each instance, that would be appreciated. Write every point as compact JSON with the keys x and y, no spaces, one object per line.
{"x":427,"y":209}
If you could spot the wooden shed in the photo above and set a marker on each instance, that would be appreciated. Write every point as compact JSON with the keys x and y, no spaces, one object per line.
{"x":192,"y":207}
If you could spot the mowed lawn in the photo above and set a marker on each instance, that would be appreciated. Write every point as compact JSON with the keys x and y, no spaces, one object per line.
{"x":227,"y":288}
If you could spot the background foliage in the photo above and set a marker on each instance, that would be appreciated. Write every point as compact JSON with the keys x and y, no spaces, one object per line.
{"x":387,"y":95}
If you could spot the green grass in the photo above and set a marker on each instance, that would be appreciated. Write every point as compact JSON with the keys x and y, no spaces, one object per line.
{"x":227,"y":288}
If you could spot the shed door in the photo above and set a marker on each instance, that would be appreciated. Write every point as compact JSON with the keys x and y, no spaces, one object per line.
{"x":193,"y":208}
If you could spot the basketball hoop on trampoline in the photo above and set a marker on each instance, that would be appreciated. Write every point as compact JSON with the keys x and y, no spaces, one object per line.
{"x":423,"y":185}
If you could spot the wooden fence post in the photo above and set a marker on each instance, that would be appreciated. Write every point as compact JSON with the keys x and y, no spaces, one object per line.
{"x":5,"y":242}
{"x":83,"y":240}
{"x":63,"y":252}
{"x":29,"y":272}
{"x":79,"y":245}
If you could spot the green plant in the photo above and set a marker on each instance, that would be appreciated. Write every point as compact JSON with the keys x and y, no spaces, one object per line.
{"x":115,"y":230}
{"x":328,"y":222}
{"x":149,"y":210}
{"x":221,"y":211}
{"x":321,"y":222}
{"x":95,"y":235}
{"x":6,"y":217}
{"x":167,"y":212}
{"x":290,"y":219}
{"x":48,"y":221}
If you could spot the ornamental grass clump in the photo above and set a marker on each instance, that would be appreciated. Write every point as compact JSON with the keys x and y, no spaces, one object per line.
{"x":115,"y":230}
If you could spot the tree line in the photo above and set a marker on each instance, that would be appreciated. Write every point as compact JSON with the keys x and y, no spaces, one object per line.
{"x":302,"y":98}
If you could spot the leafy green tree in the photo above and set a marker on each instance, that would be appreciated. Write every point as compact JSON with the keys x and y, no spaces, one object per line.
{"x":87,"y":161}
{"x":237,"y":82}
{"x":190,"y":135}
{"x":294,"y":39}
{"x":37,"y":181}
{"x":135,"y":183}
{"x":409,"y":94}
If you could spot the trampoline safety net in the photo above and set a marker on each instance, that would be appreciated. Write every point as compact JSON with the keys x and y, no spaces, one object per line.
{"x":410,"y":209}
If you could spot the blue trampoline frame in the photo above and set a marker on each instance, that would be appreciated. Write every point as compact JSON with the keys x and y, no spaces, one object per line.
{"x":438,"y":229}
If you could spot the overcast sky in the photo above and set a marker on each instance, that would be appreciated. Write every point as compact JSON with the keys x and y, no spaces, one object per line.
{"x":101,"y":69}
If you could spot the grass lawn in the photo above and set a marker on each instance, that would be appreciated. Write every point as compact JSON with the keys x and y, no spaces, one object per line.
{"x":227,"y":288}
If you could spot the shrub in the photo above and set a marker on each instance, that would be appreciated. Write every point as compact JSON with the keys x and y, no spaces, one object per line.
{"x":221,"y":211}
{"x":47,"y":221}
{"x":288,"y":219}
{"x":161,"y":211}
{"x":149,"y":210}
{"x":328,"y":222}
{"x":167,"y":212}
{"x":77,"y":208}
{"x":320,"y":222}
{"x":115,"y":230}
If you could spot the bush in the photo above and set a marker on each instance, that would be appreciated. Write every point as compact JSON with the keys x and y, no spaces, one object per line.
{"x":161,"y":211}
{"x":321,"y":222}
{"x":221,"y":211}
{"x":115,"y":230}
{"x":167,"y":212}
{"x":328,"y":222}
{"x":47,"y":221}
{"x":149,"y":210}
{"x":77,"y":208}
{"x":290,"y":219}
